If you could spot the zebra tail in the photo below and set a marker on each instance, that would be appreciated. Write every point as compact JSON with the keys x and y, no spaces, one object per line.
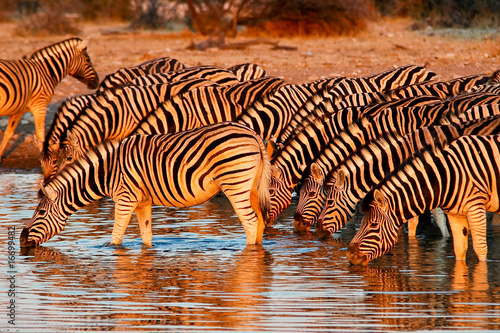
{"x":263,"y":182}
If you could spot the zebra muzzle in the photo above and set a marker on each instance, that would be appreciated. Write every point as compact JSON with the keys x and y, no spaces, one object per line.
{"x":322,"y":232}
{"x":355,"y":257}
{"x":299,"y":223}
{"x":23,"y":239}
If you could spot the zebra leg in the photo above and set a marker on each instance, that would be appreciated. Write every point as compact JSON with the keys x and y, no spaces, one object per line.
{"x":477,"y":224}
{"x":123,"y":213}
{"x":412,"y":226}
{"x":243,"y":207}
{"x":255,"y":202}
{"x":460,"y":232}
{"x":440,"y":219}
{"x":39,"y":113}
{"x":9,"y":131}
{"x":143,"y":213}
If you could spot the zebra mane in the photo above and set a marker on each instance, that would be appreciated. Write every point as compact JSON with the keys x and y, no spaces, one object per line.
{"x":43,"y":52}
{"x":495,"y":77}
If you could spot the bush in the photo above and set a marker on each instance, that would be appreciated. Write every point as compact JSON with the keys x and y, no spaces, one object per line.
{"x":445,"y":13}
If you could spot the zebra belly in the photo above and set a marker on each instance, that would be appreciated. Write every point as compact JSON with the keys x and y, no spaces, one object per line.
{"x":200,"y":196}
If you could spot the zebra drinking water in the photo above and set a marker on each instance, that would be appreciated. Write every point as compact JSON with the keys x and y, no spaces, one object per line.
{"x":178,"y":170}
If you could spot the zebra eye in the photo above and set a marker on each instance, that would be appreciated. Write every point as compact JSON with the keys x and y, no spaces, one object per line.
{"x":42,"y":212}
{"x":311,"y":194}
{"x":69,"y":158}
{"x":271,"y":191}
{"x":374,"y":224}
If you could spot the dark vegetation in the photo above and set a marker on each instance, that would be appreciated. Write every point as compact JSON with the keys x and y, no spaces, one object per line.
{"x":228,"y":17}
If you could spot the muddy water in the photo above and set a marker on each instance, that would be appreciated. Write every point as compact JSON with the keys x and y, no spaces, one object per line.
{"x":200,"y":276}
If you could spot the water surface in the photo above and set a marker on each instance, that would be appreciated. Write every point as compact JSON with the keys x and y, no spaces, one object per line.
{"x":200,"y":276}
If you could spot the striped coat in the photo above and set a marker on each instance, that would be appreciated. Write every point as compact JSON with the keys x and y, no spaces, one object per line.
{"x":28,"y":84}
{"x":179,"y":170}
{"x":462,"y":179}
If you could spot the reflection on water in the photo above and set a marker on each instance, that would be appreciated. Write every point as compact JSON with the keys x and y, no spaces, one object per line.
{"x":200,"y":276}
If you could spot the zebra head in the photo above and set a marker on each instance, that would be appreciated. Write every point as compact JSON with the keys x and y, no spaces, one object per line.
{"x":47,"y":221}
{"x":81,"y":67}
{"x":280,"y":192}
{"x":378,"y":233}
{"x":337,"y":209}
{"x":311,"y":200}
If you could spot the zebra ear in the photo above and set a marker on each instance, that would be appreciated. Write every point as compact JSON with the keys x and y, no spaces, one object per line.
{"x":49,"y":193}
{"x":316,"y":172}
{"x":340,"y":178}
{"x":83,"y":44}
{"x":272,"y":149}
{"x":379,"y":199}
{"x":275,"y":172}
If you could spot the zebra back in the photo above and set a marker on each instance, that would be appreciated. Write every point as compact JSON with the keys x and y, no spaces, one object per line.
{"x":320,"y":141}
{"x":127,"y":74}
{"x":269,"y":115}
{"x":114,"y":114}
{"x":205,"y":106}
{"x":248,"y":71}
{"x":216,"y":74}
{"x":334,"y":94}
{"x":441,"y":89}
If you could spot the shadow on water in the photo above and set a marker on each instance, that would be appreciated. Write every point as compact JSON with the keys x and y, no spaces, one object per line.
{"x":200,"y":276}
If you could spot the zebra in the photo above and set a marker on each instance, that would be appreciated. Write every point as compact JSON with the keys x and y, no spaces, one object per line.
{"x":350,"y":180}
{"x":221,"y":76}
{"x":462,"y":178}
{"x":320,"y":140}
{"x":269,"y":115}
{"x":113,"y":113}
{"x":28,"y":84}
{"x":128,"y":74}
{"x":366,"y":129}
{"x":202,"y":107}
{"x":247,"y":71}
{"x":312,"y":195}
{"x":178,"y":170}
{"x":442,"y":89}
{"x":338,"y":90}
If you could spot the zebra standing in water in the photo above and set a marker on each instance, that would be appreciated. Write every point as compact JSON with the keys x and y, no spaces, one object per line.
{"x":462,"y":179}
{"x":179,"y":170}
{"x":28,"y":84}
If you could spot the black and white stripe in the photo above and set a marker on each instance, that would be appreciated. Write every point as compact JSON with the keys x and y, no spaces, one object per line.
{"x":462,"y":179}
{"x":180,"y":170}
{"x":28,"y":84}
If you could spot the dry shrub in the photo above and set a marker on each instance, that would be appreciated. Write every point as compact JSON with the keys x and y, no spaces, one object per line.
{"x":317,"y":18}
{"x":445,"y":13}
{"x":50,"y":21}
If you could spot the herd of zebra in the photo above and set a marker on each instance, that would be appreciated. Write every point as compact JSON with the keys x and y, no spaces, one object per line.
{"x":401,"y":143}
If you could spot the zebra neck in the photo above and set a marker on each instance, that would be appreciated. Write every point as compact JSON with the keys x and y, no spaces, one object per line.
{"x":94,"y":176}
{"x":53,"y":66}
